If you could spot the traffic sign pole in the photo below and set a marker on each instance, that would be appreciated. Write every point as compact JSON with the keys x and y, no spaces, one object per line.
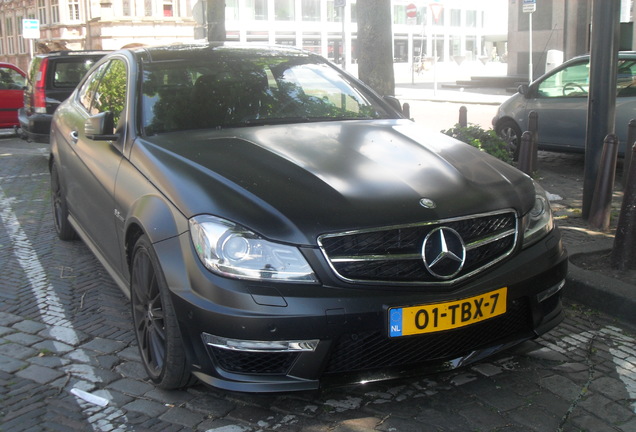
{"x":529,"y":6}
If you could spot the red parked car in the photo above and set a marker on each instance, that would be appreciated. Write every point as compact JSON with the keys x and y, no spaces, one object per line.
{"x":12,"y":80}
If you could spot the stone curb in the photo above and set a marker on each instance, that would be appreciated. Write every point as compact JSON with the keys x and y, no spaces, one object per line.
{"x":610,"y":296}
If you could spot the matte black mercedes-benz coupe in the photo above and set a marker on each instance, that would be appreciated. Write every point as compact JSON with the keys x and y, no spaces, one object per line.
{"x":278,"y":225}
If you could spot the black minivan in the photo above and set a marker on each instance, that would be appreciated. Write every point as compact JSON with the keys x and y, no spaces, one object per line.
{"x":52,"y":77}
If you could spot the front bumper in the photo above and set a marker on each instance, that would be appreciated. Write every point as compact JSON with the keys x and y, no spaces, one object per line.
{"x":349,"y":323}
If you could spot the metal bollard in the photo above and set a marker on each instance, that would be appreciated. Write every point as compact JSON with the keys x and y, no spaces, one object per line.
{"x":406,"y":110}
{"x":533,"y":127}
{"x":631,"y":138}
{"x":463,"y":116}
{"x":623,"y":253}
{"x":601,"y":205}
{"x":525,"y":153}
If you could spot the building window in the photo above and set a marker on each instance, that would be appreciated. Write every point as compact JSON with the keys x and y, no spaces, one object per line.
{"x":10,"y":38}
{"x":231,"y":10}
{"x":73,"y":10}
{"x":147,"y":7}
{"x":471,"y":18}
{"x":333,"y":13}
{"x":21,"y":46}
{"x":311,"y":10}
{"x":455,"y":18}
{"x":125,"y":7}
{"x":42,"y":11}
{"x":55,"y":11}
{"x":284,"y":10}
{"x":167,"y":8}
{"x":399,"y":14}
{"x":256,"y":9}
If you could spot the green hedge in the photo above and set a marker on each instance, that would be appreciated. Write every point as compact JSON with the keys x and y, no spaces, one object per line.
{"x":485,"y":140}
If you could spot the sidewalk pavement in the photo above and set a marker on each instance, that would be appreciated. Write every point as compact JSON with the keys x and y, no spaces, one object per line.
{"x":561,"y":175}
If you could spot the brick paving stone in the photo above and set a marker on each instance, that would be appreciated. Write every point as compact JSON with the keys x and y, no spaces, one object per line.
{"x":605,"y":408}
{"x":91,"y":374}
{"x":219,"y":425}
{"x":11,"y":365}
{"x":182,"y":417}
{"x":39,"y":374}
{"x":23,"y":338}
{"x":146,"y":407}
{"x":131,"y":387}
{"x":482,"y":417}
{"x":8,"y":319}
{"x":104,"y":346}
{"x":214,"y":407}
{"x":29,"y":326}
{"x":170,"y":397}
{"x":53,"y":346}
{"x":16,"y":351}
{"x":66,"y":335}
{"x":535,"y":419}
{"x":133,"y":370}
{"x":5,"y":331}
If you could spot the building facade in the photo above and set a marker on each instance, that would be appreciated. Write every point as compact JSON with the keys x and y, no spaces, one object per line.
{"x":561,"y":26}
{"x":451,"y":30}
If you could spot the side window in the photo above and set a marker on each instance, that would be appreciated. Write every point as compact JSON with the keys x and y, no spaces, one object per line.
{"x":572,"y":81}
{"x":87,"y":90}
{"x":10,"y":79}
{"x":626,"y":78}
{"x":111,"y":91}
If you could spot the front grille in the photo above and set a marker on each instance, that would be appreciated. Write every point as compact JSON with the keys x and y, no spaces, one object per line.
{"x":253,"y":362}
{"x":374,"y":350}
{"x":394,"y":254}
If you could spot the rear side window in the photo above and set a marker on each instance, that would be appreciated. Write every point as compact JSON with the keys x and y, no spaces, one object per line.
{"x":10,"y":79}
{"x":67,"y":74}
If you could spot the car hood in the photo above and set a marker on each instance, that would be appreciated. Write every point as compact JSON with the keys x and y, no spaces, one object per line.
{"x":294,"y":182}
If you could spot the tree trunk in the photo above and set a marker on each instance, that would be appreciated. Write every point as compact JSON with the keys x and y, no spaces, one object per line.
{"x":216,"y":20}
{"x":375,"y":50}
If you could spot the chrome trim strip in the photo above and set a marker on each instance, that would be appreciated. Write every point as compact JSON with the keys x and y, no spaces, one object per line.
{"x":282,"y":346}
{"x":473,"y":245}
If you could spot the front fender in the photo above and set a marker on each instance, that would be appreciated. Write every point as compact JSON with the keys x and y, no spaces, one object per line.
{"x":156,"y":218}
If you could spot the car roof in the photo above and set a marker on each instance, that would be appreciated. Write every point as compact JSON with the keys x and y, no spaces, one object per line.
{"x":196,"y":51}
{"x":621,"y":54}
{"x":70,"y":54}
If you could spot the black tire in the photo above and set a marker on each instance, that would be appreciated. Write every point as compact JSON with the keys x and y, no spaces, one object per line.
{"x":155,"y":321}
{"x":63,"y":228}
{"x":510,"y":132}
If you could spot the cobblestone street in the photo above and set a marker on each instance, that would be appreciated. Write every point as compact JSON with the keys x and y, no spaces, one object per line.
{"x":69,"y":360}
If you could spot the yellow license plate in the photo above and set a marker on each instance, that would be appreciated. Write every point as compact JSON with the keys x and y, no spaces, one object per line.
{"x":436,"y":317}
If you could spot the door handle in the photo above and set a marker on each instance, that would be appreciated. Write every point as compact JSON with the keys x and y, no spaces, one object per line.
{"x":74,"y":136}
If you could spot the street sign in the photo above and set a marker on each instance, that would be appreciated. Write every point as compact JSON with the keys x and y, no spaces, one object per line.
{"x":529,"y":6}
{"x":436,"y":8}
{"x":411,"y":11}
{"x":31,"y":29}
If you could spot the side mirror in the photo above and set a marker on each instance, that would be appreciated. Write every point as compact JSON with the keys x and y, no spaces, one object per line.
{"x":523,"y":89}
{"x":395,"y":104}
{"x":100,"y":127}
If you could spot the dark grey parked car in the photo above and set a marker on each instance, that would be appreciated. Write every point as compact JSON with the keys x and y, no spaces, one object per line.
{"x":278,"y":225}
{"x":560,"y":99}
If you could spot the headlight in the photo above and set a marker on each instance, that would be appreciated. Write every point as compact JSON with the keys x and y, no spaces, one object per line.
{"x":538,"y":222}
{"x":231,"y":250}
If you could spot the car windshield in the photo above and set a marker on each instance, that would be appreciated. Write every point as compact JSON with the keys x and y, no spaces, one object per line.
{"x":246,"y":91}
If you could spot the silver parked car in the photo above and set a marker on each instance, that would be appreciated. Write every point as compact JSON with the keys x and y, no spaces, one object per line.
{"x":559,"y":97}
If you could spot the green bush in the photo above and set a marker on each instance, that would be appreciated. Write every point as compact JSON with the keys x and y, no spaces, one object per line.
{"x":485,"y":140}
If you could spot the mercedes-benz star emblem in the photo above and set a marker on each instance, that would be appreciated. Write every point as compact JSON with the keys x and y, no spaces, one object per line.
{"x":444,"y":253}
